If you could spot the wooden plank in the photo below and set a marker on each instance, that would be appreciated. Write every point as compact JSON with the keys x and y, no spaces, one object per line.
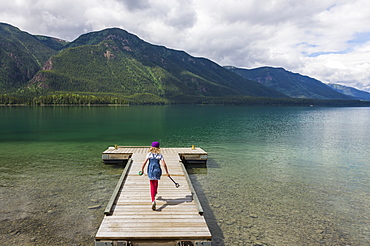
{"x":133,"y":235}
{"x":158,"y":225}
{"x":176,"y":217}
{"x":148,"y":218}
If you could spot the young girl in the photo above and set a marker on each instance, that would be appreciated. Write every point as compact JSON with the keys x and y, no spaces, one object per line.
{"x":154,"y":169}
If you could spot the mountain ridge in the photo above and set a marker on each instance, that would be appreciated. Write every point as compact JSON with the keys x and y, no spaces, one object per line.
{"x":117,"y":60}
{"x":350,"y":91}
{"x":292,"y":84}
{"x":113,"y":65}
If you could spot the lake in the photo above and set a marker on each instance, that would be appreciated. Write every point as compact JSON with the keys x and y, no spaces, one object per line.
{"x":275,"y":175}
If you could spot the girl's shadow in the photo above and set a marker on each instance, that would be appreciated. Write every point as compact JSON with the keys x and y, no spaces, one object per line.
{"x":173,"y":202}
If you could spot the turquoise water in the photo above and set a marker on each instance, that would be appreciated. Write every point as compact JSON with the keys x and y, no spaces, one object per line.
{"x":276,"y":176}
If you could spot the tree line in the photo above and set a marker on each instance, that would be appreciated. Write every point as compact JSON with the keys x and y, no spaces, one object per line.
{"x":151,"y":99}
{"x":69,"y":99}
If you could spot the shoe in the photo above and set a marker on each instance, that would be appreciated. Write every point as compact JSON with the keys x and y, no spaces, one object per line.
{"x":153,"y":205}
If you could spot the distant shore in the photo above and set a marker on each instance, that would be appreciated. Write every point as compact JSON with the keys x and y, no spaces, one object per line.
{"x":67,"y":105}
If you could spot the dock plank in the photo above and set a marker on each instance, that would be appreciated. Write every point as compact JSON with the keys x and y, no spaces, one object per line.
{"x":176,"y":217}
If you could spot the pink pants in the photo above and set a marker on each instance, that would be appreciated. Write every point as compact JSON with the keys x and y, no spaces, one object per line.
{"x":153,"y":188}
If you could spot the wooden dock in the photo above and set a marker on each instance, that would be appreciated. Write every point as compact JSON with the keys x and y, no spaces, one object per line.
{"x":178,"y":219}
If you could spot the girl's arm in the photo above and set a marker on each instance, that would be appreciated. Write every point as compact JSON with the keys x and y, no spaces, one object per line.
{"x":143,"y":166}
{"x":165,"y":167}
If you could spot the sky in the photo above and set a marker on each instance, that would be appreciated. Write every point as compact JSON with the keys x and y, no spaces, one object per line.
{"x":328,"y":40}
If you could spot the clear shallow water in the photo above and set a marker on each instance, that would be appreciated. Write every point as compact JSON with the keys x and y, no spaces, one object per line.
{"x":276,"y":176}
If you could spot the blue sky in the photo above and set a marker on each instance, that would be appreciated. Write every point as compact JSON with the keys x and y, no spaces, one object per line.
{"x":328,"y":40}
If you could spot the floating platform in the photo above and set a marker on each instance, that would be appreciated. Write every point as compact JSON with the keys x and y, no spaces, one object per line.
{"x":121,"y":154}
{"x":129,"y":219}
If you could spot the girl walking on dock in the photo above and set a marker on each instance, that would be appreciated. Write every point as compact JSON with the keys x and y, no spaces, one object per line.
{"x":154,"y":169}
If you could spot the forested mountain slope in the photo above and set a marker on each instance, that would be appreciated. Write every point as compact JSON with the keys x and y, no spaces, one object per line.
{"x":21,"y":56}
{"x":114,"y":60}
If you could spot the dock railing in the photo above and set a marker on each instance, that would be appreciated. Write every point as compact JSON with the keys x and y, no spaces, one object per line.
{"x":109,"y":209}
{"x":193,"y":192}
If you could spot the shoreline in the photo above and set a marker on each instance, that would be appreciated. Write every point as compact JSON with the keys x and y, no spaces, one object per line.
{"x":66,"y":105}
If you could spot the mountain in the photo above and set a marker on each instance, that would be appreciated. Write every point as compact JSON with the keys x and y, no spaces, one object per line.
{"x":292,"y":84}
{"x":115,"y":61}
{"x":21,"y":56}
{"x":113,"y":66}
{"x":54,"y":43}
{"x":352,"y":92}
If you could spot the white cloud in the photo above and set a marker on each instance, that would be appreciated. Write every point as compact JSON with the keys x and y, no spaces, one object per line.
{"x":324,"y":39}
{"x":351,"y":69}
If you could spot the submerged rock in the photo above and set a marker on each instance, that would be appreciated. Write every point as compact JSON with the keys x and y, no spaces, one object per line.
{"x":94,"y":207}
{"x":230,"y":222}
{"x":245,"y":224}
{"x":216,"y":205}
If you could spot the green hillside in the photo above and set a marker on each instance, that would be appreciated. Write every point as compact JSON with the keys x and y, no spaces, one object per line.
{"x":54,"y":43}
{"x":116,"y":61}
{"x":21,"y":57}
